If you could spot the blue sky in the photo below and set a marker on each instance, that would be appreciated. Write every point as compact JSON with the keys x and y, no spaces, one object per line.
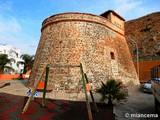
{"x":20,"y":20}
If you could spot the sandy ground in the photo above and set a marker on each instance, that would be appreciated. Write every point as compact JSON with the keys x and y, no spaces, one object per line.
{"x":129,"y":109}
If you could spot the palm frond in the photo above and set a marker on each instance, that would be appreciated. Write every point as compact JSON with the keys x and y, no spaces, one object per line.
{"x":4,"y":60}
{"x":111,"y":90}
{"x":120,"y":96}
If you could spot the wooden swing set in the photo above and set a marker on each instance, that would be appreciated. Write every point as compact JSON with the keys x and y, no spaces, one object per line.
{"x":86,"y":86}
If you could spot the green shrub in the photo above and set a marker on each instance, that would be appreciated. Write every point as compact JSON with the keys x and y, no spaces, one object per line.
{"x":110,"y":91}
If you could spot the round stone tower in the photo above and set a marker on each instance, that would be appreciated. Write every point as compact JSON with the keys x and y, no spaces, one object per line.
{"x":69,"y":39}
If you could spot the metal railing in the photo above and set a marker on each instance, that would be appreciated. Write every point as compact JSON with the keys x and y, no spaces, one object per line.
{"x":155,"y":72}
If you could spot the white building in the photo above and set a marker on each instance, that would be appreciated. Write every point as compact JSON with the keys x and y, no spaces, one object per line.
{"x":14,"y":55}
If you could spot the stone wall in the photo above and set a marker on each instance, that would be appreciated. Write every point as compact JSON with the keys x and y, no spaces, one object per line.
{"x":72,"y":38}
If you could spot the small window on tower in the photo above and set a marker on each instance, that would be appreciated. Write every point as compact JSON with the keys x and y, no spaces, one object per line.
{"x":112,"y":55}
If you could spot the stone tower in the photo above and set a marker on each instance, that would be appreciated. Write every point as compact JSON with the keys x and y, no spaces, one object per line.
{"x":97,"y":42}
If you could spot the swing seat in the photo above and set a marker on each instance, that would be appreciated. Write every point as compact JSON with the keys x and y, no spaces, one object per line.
{"x":41,"y":87}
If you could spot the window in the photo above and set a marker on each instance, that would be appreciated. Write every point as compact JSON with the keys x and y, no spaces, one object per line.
{"x":112,"y":55}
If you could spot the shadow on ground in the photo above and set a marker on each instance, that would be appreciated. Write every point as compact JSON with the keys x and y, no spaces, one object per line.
{"x":11,"y":107}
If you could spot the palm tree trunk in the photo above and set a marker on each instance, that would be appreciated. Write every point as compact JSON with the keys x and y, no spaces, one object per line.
{"x":110,"y":100}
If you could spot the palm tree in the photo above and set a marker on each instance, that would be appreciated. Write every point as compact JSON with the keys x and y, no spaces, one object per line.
{"x":4,"y":60}
{"x":111,"y":90}
{"x":28,"y":62}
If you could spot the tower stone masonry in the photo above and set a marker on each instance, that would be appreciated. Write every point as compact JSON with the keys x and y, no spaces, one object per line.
{"x":98,"y":42}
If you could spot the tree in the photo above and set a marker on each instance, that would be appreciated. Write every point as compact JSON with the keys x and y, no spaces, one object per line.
{"x":110,"y":91}
{"x":4,"y":60}
{"x":28,"y":62}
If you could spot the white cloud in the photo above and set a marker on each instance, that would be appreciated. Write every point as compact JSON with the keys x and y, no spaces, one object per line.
{"x":5,"y":5}
{"x":12,"y":31}
{"x":9,"y":25}
{"x":124,"y":6}
{"x":9,"y":29}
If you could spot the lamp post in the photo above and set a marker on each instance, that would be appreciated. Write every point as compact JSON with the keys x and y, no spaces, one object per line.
{"x":137,"y":57}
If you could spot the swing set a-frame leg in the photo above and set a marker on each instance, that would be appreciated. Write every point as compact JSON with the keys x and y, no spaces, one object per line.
{"x":35,"y":88}
{"x":95,"y":105}
{"x":45,"y":85}
{"x":87,"y":100}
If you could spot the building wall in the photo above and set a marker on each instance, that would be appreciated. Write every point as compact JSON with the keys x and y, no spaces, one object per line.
{"x":114,"y":18}
{"x":9,"y":76}
{"x":15,"y":54}
{"x":144,"y":69}
{"x":116,"y":21}
{"x":13,"y":76}
{"x":72,"y":38}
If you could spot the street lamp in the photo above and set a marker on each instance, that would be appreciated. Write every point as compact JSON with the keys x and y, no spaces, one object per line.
{"x":137,"y":57}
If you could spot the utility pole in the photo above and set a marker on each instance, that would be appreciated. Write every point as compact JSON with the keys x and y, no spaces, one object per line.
{"x":137,"y":56}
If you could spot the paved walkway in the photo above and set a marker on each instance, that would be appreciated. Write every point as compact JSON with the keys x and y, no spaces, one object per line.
{"x":137,"y":103}
{"x":16,"y":87}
